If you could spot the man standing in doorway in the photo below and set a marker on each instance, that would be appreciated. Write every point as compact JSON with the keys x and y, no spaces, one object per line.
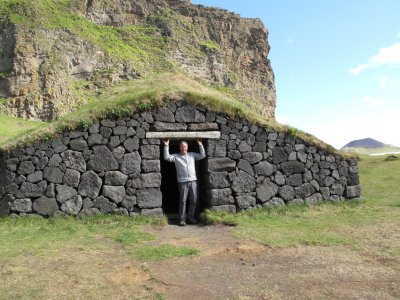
{"x":186,"y":176}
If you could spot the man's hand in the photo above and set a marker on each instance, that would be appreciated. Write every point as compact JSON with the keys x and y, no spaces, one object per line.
{"x":166,"y":142}
{"x":199,"y":142}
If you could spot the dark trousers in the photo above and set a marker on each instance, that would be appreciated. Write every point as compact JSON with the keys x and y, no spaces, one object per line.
{"x":186,"y":189}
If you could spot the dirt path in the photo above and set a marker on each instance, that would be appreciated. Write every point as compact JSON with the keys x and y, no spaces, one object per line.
{"x":228,"y":268}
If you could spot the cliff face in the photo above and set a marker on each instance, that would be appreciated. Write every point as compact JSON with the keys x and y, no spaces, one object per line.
{"x":49,"y":51}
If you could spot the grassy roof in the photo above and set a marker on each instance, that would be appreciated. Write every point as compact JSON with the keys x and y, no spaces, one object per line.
{"x":138,"y":95}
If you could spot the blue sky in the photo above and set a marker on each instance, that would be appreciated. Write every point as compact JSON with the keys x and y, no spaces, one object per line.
{"x":336,"y":64}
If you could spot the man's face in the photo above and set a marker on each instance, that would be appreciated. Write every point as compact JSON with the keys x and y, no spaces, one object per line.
{"x":183,"y":148}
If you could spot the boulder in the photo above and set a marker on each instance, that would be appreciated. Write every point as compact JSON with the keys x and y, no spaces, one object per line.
{"x":115,"y":178}
{"x":78,"y":144}
{"x":86,"y":212}
{"x":64,"y":193}
{"x":279,"y":155}
{"x":266,"y":191}
{"x":219,"y":197}
{"x":72,"y":206}
{"x":102,"y":160}
{"x":218,"y":180}
{"x":104,"y":205}
{"x":287,"y":192}
{"x":163,"y":114}
{"x":114,"y":193}
{"x":295,"y":180}
{"x":220,"y":165}
{"x":74,"y":160}
{"x":23,"y":205}
{"x":71,"y":178}
{"x":274,"y":202}
{"x":149,"y":198}
{"x":161,"y":126}
{"x":45,"y":206}
{"x":150,"y":152}
{"x":264,"y":168}
{"x":189,"y":114}
{"x":35,"y":177}
{"x":245,"y":166}
{"x":243,"y":183}
{"x":245,"y":201}
{"x":90,"y":185}
{"x":130,"y":163}
{"x":31,"y":190}
{"x":292,"y":167}
{"x":131,"y":144}
{"x":304,"y":191}
{"x":253,"y":157}
{"x":26,"y":168}
{"x":353,"y":191}
{"x":129,"y":202}
{"x":149,"y":166}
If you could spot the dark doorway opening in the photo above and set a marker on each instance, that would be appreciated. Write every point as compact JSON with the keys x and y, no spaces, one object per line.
{"x":169,"y":184}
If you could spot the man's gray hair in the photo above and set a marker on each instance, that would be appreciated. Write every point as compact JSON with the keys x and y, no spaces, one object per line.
{"x":183,"y":143}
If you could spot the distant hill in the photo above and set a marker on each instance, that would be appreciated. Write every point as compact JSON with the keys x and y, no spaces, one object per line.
{"x":369,"y":146}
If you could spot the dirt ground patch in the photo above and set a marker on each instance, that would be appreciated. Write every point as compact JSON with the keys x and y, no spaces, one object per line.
{"x":229,"y":268}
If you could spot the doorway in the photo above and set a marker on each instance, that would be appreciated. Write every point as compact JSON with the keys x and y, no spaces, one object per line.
{"x":169,"y":184}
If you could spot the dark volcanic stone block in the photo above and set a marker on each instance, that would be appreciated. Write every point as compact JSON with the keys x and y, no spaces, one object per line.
{"x":266,"y":191}
{"x":115,"y":193}
{"x":115,"y":178}
{"x":162,"y":126}
{"x":264,"y":168}
{"x":53,"y":174}
{"x":243,"y":183}
{"x":104,"y":205}
{"x":149,"y":198}
{"x":220,"y":165}
{"x":74,"y":160}
{"x":220,"y":197}
{"x":189,"y":114}
{"x":71,"y":178}
{"x":150,"y":166}
{"x":90,"y":185}
{"x":64,"y":193}
{"x":130,"y":163}
{"x":72,"y":206}
{"x":150,"y":152}
{"x":304,"y":191}
{"x":245,"y":201}
{"x":291,"y":167}
{"x":102,"y":160}
{"x":163,"y":114}
{"x":26,"y":168}
{"x":21,"y":205}
{"x":218,"y":180}
{"x":29,"y":190}
{"x":45,"y":206}
{"x":279,"y":155}
{"x":353,"y":191}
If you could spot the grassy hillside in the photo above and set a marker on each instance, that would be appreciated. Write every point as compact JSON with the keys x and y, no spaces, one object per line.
{"x":138,"y":95}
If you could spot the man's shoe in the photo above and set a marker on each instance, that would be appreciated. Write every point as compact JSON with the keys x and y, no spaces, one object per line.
{"x":182,"y":223}
{"x":193,"y":221}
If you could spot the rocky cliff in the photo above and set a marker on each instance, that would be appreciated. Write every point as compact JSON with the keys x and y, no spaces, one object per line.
{"x":51,"y":51}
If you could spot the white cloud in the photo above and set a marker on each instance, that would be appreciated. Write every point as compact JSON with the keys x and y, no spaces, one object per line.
{"x":385,"y":56}
{"x":387,"y":82}
{"x":373,"y":102}
{"x":282,"y":119}
{"x":290,"y":40}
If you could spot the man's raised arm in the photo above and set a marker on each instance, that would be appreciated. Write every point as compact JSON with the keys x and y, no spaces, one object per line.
{"x":167,"y":156}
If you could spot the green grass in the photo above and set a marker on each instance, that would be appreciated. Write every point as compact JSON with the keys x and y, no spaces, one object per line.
{"x":151,"y":253}
{"x":370,"y":225}
{"x":12,"y":128}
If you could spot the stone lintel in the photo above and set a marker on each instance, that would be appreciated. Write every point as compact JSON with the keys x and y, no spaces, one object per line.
{"x":184,"y":135}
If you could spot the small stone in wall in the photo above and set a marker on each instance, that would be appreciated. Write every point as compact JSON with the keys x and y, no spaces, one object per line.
{"x":149,"y":198}
{"x":104,"y":205}
{"x":150,"y":152}
{"x":266,"y":191}
{"x":279,"y":155}
{"x":274,"y":202}
{"x":102,"y":160}
{"x":64,"y":193}
{"x":304,"y":191}
{"x":114,"y":193}
{"x":74,"y":160}
{"x":115,"y":178}
{"x":243,"y":183}
{"x":72,"y":206}
{"x":245,"y":201}
{"x":26,"y":168}
{"x":45,"y":206}
{"x":71,"y":178}
{"x":353,"y":191}
{"x":90,"y":185}
{"x":130,"y":163}
{"x":292,"y":167}
{"x":23,"y":205}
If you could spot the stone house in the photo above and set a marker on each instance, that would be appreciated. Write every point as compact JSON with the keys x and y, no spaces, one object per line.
{"x":116,"y":166}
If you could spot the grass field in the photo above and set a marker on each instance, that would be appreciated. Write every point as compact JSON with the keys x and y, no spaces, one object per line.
{"x":371,"y":225}
{"x":72,"y":258}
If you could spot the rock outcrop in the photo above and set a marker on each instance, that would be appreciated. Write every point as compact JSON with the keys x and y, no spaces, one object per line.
{"x":51,"y":51}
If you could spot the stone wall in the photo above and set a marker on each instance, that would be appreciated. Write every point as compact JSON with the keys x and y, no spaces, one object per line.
{"x":111,"y":167}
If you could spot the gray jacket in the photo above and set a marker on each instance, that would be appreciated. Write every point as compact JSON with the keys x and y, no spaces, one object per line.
{"x":184,"y":164}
